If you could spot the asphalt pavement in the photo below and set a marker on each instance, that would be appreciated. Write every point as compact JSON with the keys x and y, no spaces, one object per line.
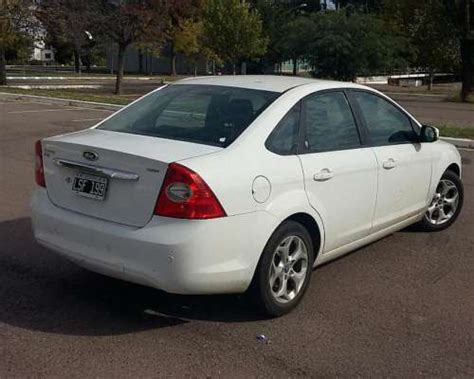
{"x":400,"y":307}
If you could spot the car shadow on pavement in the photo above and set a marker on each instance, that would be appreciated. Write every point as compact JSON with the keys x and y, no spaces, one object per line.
{"x":42,"y":291}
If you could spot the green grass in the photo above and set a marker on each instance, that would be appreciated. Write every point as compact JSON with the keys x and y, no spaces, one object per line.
{"x":71,"y":94}
{"x":455,"y":132}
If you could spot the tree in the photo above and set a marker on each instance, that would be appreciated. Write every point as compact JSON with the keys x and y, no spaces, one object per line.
{"x":273,"y":18}
{"x":462,"y":14}
{"x":345,"y":46}
{"x":434,"y":37}
{"x":180,"y":12}
{"x":233,"y":31}
{"x":16,"y":26}
{"x":188,"y":40}
{"x":298,"y":32}
{"x":431,"y":33}
{"x":446,"y":33}
{"x":68,"y":22}
{"x":129,"y":21}
{"x":279,"y":19}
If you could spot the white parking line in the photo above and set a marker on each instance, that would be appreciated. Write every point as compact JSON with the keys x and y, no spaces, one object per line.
{"x":49,"y":110}
{"x":88,"y":119}
{"x":89,"y":109}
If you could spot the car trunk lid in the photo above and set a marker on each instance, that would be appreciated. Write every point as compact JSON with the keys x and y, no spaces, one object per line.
{"x":133,"y":166}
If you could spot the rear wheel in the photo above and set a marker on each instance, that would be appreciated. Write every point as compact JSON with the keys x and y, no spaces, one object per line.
{"x":446,"y":203}
{"x":284,"y":271}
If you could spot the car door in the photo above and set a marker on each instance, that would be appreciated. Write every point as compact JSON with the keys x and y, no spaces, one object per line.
{"x":340,"y":173}
{"x":404,"y":164}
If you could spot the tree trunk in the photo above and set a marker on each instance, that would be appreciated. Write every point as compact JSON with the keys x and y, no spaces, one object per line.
{"x":88,"y":62}
{"x":120,"y":68}
{"x":195,"y":69}
{"x":233,"y":69}
{"x":467,"y":58}
{"x":111,"y":64}
{"x":77,"y":62}
{"x":140,"y":61}
{"x":173,"y":60}
{"x":3,"y":68}
{"x":430,"y":80}
{"x":295,"y":66}
{"x":243,"y":68}
{"x":150,"y":64}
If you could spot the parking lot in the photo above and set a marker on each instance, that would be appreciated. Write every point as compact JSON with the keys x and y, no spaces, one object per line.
{"x":403,"y":306}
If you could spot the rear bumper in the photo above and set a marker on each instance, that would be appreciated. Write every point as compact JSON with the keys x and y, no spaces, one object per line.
{"x":177,"y":256}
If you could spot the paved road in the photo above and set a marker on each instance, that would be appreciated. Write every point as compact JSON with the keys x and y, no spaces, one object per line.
{"x":403,"y":306}
{"x":436,"y":111}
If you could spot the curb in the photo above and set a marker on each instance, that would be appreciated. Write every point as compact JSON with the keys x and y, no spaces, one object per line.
{"x":60,"y":101}
{"x":463,"y":143}
{"x":55,"y":86}
{"x":415,"y":94}
{"x":79,"y":78}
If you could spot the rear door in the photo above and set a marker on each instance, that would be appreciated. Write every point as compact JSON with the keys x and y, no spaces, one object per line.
{"x":340,"y":173}
{"x":404,"y":164}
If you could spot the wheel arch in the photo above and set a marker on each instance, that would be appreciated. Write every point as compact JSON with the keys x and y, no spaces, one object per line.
{"x":311,"y":226}
{"x":454,"y":167}
{"x":445,"y":158}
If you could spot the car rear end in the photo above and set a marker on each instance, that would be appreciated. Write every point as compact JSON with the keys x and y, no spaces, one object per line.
{"x":119,"y":202}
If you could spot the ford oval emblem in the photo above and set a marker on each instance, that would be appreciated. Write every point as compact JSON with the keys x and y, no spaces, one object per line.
{"x":90,"y":155}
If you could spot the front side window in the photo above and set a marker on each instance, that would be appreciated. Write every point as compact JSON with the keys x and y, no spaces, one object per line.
{"x":386,"y":124}
{"x":212,"y":115}
{"x":329,"y":123}
{"x":284,"y":138}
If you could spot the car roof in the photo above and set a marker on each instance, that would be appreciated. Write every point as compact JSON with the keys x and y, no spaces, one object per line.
{"x":272,"y":83}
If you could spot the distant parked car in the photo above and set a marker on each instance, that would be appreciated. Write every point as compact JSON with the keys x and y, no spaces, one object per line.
{"x":227,"y":184}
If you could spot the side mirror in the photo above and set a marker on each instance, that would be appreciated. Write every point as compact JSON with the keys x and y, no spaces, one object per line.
{"x":429,"y":134}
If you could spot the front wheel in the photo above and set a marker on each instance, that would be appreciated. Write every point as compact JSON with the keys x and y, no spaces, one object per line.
{"x":284,"y":271}
{"x":446,"y":203}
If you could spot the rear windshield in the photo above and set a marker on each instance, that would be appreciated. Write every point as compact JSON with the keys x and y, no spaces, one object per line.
{"x":211,"y":115}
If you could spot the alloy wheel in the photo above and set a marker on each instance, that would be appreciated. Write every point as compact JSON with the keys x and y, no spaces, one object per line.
{"x":444,"y":204}
{"x":288,"y":269}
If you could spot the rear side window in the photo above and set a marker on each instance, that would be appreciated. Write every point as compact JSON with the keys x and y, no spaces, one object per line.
{"x":329,"y":123}
{"x":386,"y":124}
{"x":213,"y":115}
{"x":284,"y":138}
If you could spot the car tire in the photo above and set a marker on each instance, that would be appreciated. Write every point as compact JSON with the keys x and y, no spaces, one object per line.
{"x":448,"y":200}
{"x":284,"y":270}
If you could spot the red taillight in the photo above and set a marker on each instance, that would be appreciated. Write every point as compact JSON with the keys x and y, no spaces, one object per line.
{"x":39,"y":168}
{"x":184,"y":194}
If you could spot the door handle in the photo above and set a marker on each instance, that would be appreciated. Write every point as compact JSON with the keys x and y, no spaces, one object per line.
{"x":389,"y":164}
{"x":323,"y":175}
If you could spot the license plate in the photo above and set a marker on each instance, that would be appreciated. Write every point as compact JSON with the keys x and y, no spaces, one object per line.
{"x":91,"y":186}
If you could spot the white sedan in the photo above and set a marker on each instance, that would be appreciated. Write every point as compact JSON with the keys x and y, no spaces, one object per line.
{"x":243,"y":183}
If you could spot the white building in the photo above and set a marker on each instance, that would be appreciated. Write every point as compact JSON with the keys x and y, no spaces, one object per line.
{"x":42,"y":53}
